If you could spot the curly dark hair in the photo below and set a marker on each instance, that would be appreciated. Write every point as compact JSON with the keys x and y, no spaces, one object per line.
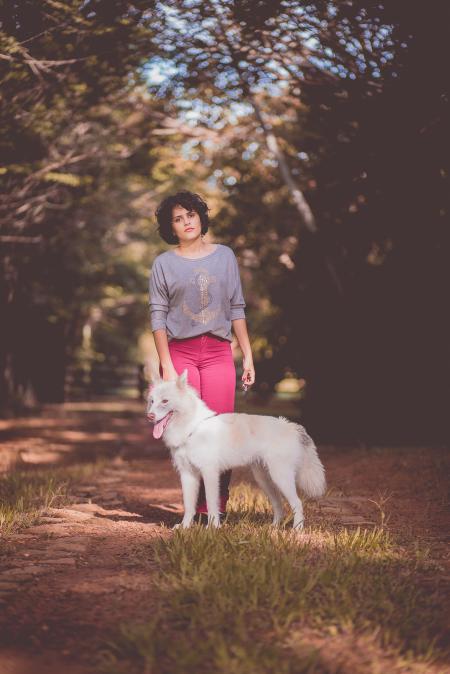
{"x":188,"y":200}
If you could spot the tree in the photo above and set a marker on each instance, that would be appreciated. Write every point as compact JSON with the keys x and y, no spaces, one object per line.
{"x":68,"y":144}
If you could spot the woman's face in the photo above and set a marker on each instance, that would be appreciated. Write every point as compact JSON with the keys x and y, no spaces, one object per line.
{"x":186,"y":225}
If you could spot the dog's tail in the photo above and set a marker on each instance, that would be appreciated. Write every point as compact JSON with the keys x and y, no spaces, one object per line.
{"x":311,"y":474}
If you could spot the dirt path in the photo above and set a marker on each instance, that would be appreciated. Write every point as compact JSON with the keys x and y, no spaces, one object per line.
{"x":66,"y":583}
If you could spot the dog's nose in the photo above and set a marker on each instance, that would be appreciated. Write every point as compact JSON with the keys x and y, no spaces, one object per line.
{"x":150,"y":416}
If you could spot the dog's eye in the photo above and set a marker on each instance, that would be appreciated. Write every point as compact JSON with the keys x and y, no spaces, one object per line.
{"x":164,"y":401}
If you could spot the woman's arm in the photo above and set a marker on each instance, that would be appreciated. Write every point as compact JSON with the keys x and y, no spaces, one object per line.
{"x":237,"y":306}
{"x":159,"y":308}
{"x":240,"y":330}
{"x":162,"y":347}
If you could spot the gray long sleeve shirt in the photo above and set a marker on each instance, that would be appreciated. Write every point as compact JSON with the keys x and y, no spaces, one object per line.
{"x":191,"y":296}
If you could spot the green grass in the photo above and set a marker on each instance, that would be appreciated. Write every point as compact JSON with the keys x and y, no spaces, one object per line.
{"x":230,"y":600}
{"x":24,"y":494}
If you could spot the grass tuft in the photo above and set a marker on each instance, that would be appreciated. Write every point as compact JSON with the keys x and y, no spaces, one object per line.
{"x":24,"y":494}
{"x":229,"y":599}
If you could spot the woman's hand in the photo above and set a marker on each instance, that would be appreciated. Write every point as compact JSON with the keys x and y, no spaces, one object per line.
{"x":240,"y":329}
{"x":169,"y":373}
{"x":248,"y":375}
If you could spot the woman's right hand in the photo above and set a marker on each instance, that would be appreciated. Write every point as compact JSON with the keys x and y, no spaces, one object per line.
{"x":169,"y":373}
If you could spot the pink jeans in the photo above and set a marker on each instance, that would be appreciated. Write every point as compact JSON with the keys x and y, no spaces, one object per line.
{"x":210,"y":365}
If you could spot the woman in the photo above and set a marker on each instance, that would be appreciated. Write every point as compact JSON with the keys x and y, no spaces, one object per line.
{"x":195,"y":299}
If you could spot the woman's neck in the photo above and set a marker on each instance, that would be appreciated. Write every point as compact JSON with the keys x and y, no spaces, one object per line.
{"x":193,"y":248}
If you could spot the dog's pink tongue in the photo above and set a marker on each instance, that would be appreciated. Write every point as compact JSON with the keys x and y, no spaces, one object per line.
{"x":159,"y":427}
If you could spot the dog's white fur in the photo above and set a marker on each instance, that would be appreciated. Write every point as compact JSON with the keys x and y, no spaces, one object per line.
{"x":280,"y":453}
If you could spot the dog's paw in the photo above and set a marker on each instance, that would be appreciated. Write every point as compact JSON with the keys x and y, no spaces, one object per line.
{"x":183,"y":525}
{"x":298,"y":526}
{"x":214,"y":523}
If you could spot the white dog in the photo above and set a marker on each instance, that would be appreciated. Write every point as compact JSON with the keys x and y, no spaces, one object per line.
{"x":203,"y":444}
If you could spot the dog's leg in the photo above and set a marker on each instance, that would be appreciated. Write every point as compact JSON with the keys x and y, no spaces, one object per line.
{"x":263,"y":479}
{"x":211,"y":480}
{"x":285,"y":481}
{"x":190,"y":484}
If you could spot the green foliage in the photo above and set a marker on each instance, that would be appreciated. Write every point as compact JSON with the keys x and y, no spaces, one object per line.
{"x":74,"y":164}
{"x":109,"y":107}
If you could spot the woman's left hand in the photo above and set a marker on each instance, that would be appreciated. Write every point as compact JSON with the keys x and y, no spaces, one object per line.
{"x":248,"y":375}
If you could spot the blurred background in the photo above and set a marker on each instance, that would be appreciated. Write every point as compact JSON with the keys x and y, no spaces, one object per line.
{"x":316,"y":133}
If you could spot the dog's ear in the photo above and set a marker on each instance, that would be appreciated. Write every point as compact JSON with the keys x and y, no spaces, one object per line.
{"x":151,"y":385}
{"x":153,"y":370}
{"x":182,"y":379}
{"x":150,"y":389}
{"x":155,"y":379}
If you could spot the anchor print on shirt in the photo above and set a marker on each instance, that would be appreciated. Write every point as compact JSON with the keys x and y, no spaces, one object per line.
{"x":201,"y":281}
